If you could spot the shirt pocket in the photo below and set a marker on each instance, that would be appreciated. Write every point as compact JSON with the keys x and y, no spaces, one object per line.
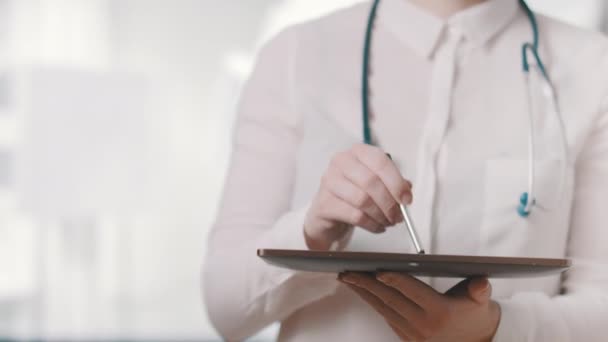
{"x":544,"y":232}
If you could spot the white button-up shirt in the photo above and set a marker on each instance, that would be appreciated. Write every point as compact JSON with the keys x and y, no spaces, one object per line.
{"x":449,"y":102}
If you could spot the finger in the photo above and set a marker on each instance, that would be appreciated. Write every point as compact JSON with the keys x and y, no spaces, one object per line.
{"x":480,"y":290}
{"x":335,"y":209}
{"x":353,"y":195}
{"x":377,"y":161}
{"x":459,"y":290}
{"x":389,"y":296}
{"x":396,"y":321}
{"x":402,"y":336}
{"x":418,"y":292}
{"x":355,"y":171}
{"x":477,"y":289}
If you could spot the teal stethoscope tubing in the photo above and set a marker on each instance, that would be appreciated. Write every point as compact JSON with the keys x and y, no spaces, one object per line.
{"x":527,"y":199}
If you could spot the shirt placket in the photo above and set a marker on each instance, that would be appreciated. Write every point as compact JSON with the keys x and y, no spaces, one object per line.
{"x":440,"y":105}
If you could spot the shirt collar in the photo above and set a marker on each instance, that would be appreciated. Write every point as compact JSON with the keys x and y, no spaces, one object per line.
{"x":423,"y":32}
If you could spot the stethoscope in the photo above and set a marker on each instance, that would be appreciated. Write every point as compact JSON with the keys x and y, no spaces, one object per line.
{"x":527,"y":200}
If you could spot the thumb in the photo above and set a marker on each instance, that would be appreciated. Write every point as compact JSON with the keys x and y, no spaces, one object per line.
{"x":477,"y":289}
{"x":480,"y":290}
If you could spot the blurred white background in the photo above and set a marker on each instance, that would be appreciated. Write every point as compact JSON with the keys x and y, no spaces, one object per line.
{"x":115,"y":124}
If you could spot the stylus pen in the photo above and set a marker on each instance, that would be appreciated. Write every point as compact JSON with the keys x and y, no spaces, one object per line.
{"x":411,"y":229}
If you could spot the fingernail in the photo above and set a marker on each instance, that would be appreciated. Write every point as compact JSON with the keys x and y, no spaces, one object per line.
{"x":384,"y":277}
{"x":406,"y":199}
{"x":486,"y":286}
{"x":395,"y":215}
{"x":390,"y":221}
{"x":346,"y":278}
{"x":398,"y":216}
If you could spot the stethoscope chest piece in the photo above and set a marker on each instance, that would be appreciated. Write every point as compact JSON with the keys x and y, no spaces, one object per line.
{"x":524,"y":208}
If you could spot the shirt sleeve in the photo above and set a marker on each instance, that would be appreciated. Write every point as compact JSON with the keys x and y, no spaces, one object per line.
{"x":581,"y":313}
{"x":242,"y":293}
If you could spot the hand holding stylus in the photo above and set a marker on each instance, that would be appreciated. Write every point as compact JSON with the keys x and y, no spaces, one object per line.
{"x":361,"y":187}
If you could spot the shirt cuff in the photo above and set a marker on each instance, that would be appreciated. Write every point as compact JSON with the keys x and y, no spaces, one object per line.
{"x":289,"y":233}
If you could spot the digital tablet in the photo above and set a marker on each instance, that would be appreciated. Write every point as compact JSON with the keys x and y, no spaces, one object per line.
{"x":453,"y":266}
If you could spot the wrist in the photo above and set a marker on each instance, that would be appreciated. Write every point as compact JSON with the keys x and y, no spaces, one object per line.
{"x":323,"y":240}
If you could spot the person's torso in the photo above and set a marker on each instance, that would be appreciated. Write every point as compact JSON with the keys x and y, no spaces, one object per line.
{"x":457,"y":125}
